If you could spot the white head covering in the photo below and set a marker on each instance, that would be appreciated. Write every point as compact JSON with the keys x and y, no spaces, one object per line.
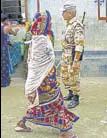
{"x":41,"y":60}
{"x":68,"y":5}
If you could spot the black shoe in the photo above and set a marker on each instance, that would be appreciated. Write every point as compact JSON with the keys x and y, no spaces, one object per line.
{"x":74,"y":102}
{"x":69,"y":97}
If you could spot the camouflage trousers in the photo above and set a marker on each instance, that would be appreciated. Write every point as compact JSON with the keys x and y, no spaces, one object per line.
{"x":70,"y":77}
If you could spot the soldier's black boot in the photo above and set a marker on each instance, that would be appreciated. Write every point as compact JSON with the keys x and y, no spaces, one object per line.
{"x":74,"y":102}
{"x":70,"y":95}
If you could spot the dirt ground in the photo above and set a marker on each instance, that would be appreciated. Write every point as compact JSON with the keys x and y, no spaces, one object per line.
{"x":92,"y":109}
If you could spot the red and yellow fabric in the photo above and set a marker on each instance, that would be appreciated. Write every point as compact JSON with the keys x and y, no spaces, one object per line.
{"x":51,"y":110}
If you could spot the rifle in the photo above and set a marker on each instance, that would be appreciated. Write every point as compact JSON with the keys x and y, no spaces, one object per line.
{"x":81,"y":57}
{"x":83,"y":17}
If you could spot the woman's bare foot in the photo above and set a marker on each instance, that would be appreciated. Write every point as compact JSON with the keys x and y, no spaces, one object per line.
{"x":68,"y":135}
{"x":21,"y":127}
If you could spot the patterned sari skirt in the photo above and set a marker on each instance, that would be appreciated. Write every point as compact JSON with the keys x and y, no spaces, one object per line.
{"x":51,"y":110}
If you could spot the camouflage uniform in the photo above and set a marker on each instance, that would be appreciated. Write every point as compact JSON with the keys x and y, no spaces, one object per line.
{"x":73,"y":41}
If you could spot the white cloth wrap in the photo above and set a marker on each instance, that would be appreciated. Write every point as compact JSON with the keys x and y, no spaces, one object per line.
{"x":41,"y":59}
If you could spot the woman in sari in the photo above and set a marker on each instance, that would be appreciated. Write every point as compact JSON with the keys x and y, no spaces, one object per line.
{"x":42,"y":88}
{"x":5,"y":28}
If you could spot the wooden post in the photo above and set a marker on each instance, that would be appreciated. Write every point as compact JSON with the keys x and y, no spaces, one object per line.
{"x":26,"y":10}
{"x":106,"y":9}
{"x":99,"y":17}
{"x":99,"y":9}
{"x":38,"y":6}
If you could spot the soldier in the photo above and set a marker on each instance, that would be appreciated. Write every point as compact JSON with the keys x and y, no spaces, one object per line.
{"x":73,"y":46}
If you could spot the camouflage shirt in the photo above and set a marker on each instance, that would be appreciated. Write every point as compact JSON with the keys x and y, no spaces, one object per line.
{"x":74,"y":36}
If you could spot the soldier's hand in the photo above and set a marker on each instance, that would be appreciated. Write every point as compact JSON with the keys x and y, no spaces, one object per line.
{"x":76,"y":65}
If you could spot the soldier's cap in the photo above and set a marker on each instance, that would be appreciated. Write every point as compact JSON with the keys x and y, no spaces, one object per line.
{"x":68,"y":5}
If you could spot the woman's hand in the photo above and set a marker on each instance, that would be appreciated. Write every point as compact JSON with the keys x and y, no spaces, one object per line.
{"x":31,"y":97}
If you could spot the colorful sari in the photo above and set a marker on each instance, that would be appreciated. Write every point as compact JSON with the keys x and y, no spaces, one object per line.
{"x":51,"y":110}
